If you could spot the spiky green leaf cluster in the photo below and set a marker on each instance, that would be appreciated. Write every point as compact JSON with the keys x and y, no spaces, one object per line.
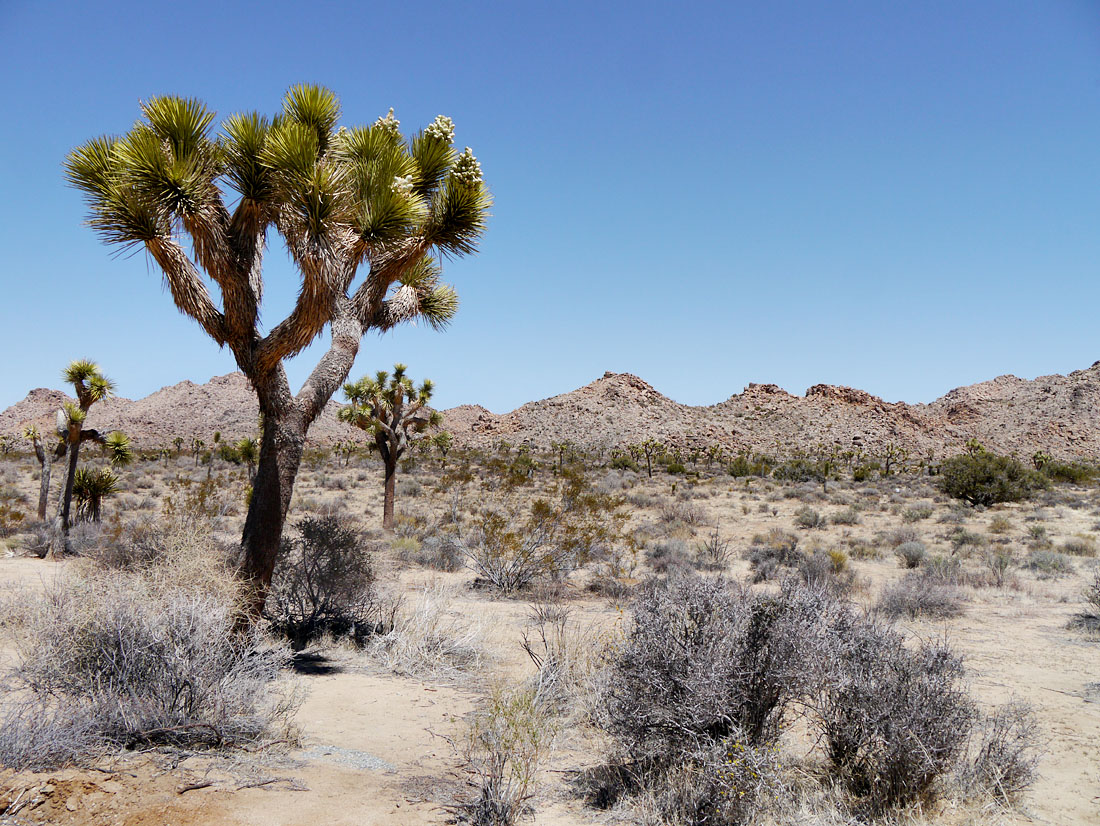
{"x":340,"y":196}
{"x":119,"y":449}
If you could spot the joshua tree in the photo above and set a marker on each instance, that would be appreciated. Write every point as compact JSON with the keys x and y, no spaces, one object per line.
{"x":442,"y":442}
{"x":45,"y":461}
{"x":391,"y":409}
{"x":90,"y":487}
{"x":91,"y":386}
{"x":650,"y":449}
{"x":345,"y":202}
{"x":249,"y":452}
{"x":177,"y":443}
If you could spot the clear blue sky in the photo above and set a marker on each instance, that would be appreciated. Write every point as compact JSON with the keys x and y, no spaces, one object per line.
{"x":902,"y":197}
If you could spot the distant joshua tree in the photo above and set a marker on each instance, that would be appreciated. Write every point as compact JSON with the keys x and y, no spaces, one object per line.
{"x":364,"y":213}
{"x":249,"y":451}
{"x":91,"y":386}
{"x":443,"y":442}
{"x":391,"y":409}
{"x":90,"y":488}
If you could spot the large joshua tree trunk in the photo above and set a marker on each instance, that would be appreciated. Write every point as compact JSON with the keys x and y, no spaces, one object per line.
{"x":281,"y":446}
{"x":46,"y":462}
{"x":286,"y":421}
{"x":387,"y":499}
{"x":59,"y":539}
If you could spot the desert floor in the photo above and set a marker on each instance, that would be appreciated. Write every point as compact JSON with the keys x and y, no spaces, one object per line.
{"x":375,"y":744}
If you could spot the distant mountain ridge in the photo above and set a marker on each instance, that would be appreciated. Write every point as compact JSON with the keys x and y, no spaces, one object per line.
{"x":1057,"y":414}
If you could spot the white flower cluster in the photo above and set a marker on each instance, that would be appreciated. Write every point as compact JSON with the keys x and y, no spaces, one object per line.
{"x":390,"y":123}
{"x":466,"y":169}
{"x":442,"y":129}
{"x":402,"y":184}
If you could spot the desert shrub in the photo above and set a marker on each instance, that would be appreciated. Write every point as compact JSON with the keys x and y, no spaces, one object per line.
{"x":1080,"y":546}
{"x":439,"y":552}
{"x":902,"y":535}
{"x":622,"y":461}
{"x":916,"y":596}
{"x":722,"y":782}
{"x":123,"y":661}
{"x":892,"y":719}
{"x":807,"y":517}
{"x":667,"y":556}
{"x":428,"y":639}
{"x":827,"y":571}
{"x":745,"y":465}
{"x":998,"y":564}
{"x":962,"y":538}
{"x":943,"y":570}
{"x":984,"y":478}
{"x":1075,"y":473}
{"x":1048,"y":564}
{"x":1006,"y":752}
{"x":1000,"y":524}
{"x":324,"y":585}
{"x":864,"y":472}
{"x":1037,"y":536}
{"x":799,"y":470}
{"x":714,"y":553}
{"x":1088,"y":618}
{"x":11,"y":511}
{"x":848,"y":516}
{"x":683,"y":512}
{"x":771,"y":552}
{"x":510,"y":550}
{"x":503,"y":746}
{"x":862,"y":549}
{"x":916,"y":513}
{"x":911,"y":554}
{"x":409,"y":488}
{"x":704,"y":661}
{"x":564,"y":657}
{"x":36,"y":539}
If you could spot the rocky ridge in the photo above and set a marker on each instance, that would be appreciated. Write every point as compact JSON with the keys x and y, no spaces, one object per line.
{"x":1058,"y":414}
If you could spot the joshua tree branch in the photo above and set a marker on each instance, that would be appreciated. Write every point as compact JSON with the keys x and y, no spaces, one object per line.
{"x":188,"y":291}
{"x":333,"y":368}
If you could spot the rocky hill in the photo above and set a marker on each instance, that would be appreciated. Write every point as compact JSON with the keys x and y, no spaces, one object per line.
{"x":1058,"y":414}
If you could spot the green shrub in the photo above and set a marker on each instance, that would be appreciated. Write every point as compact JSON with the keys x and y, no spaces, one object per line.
{"x":984,"y":478}
{"x":1075,"y":473}
{"x":324,"y":584}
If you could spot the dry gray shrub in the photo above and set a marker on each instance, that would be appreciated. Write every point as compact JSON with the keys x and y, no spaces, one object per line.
{"x":120,"y":661}
{"x":705,"y":659}
{"x":1006,"y":753}
{"x":893,"y":720}
{"x":1088,"y":619}
{"x":714,"y":553}
{"x":566,"y":656}
{"x":721,"y":783}
{"x":428,"y":639}
{"x":1048,"y":564}
{"x":916,"y":596}
{"x":772,"y":552}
